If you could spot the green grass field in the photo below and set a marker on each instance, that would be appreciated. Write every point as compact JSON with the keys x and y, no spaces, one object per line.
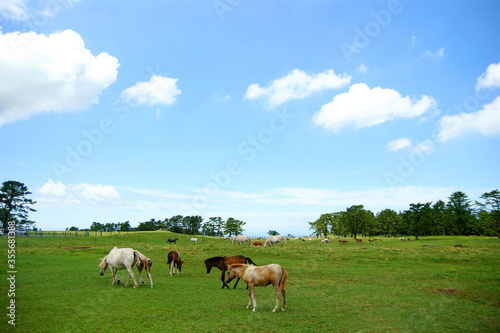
{"x":370,"y":287}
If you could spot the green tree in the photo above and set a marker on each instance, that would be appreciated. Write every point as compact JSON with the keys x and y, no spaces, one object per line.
{"x":492,"y":206}
{"x":357,"y":220}
{"x":417,"y":219}
{"x":320,"y":226}
{"x":273,"y":233}
{"x":388,"y":220}
{"x":440,"y":219}
{"x":96,"y":226}
{"x":14,"y":204}
{"x":192,"y":224}
{"x":150,"y":225}
{"x":233,"y":227}
{"x":461,"y":213}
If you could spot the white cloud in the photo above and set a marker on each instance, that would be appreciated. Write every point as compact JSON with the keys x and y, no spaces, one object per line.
{"x":435,"y":55}
{"x":491,"y":78}
{"x":485,"y":121}
{"x":59,"y":194}
{"x":54,"y":73}
{"x":14,"y":10}
{"x":296,"y":85}
{"x":95,"y":193}
{"x":363,"y":107}
{"x":54,"y":189}
{"x":158,"y":90}
{"x":399,"y":144}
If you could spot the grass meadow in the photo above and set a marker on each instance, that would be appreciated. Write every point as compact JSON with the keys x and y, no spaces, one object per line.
{"x":387,"y":286}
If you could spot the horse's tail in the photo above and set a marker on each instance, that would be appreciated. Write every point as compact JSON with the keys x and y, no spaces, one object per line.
{"x":137,"y":259}
{"x":248,"y":260}
{"x":281,"y":284}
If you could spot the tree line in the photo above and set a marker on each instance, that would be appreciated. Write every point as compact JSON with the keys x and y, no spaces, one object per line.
{"x":458,"y":216}
{"x":191,"y":225}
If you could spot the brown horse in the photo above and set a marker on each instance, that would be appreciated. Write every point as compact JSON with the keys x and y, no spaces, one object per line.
{"x":174,"y":259}
{"x":222,"y":263}
{"x":260,"y":276}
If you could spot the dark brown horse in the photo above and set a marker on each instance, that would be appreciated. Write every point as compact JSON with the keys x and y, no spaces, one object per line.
{"x":222,"y":263}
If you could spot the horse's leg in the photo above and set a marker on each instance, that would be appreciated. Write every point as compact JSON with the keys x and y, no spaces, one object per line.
{"x":222,"y":277}
{"x":131,"y":274}
{"x":140,"y":277}
{"x":149,"y":276}
{"x":281,"y":243}
{"x":171,"y":266}
{"x":252,"y":293}
{"x":236,"y":283}
{"x":113,"y":273}
{"x":277,"y":290}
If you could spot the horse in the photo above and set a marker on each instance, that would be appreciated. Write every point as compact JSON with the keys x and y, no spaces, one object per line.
{"x":324,"y":240}
{"x":257,"y":243}
{"x":145,"y":263}
{"x":241,"y":239}
{"x":120,"y":259}
{"x":260,"y":276}
{"x":401,"y":238}
{"x":274,"y":239}
{"x":195,"y":240}
{"x":174,"y":259}
{"x":343,"y":241}
{"x":172,"y":240}
{"x":359,"y":240}
{"x":222,"y":262}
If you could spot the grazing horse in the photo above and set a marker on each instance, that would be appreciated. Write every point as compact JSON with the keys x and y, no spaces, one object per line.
{"x":242,"y":239}
{"x":120,"y":259}
{"x":343,"y":241}
{"x":260,"y":276}
{"x":172,"y":240}
{"x":325,"y":240}
{"x":194,"y":240}
{"x":222,"y":262}
{"x":359,"y":240}
{"x":257,"y":243}
{"x":144,"y":263}
{"x":174,"y":259}
{"x":401,"y":238}
{"x":274,"y":239}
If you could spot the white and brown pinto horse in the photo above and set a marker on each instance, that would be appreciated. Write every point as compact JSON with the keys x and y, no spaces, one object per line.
{"x":119,"y":259}
{"x":274,"y":239}
{"x":144,"y":263}
{"x":174,"y":260}
{"x":242,"y":239}
{"x":260,"y":276}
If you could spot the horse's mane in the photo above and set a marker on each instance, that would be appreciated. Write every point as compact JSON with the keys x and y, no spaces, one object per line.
{"x":102,"y":262}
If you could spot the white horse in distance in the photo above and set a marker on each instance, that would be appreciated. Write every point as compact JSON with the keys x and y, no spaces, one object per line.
{"x":242,"y":239}
{"x":274,"y":239}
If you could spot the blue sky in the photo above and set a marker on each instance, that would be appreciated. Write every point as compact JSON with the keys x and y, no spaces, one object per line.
{"x":271,"y":112}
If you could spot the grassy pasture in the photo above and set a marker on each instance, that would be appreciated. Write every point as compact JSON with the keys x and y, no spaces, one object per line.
{"x":371,"y":287}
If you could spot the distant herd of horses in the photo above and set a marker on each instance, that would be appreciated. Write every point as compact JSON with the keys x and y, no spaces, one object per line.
{"x":239,"y":267}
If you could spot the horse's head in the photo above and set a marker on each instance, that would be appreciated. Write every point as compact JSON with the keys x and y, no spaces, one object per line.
{"x":103,"y":263}
{"x":230,"y":274}
{"x":208,"y":264}
{"x":180,"y":265}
